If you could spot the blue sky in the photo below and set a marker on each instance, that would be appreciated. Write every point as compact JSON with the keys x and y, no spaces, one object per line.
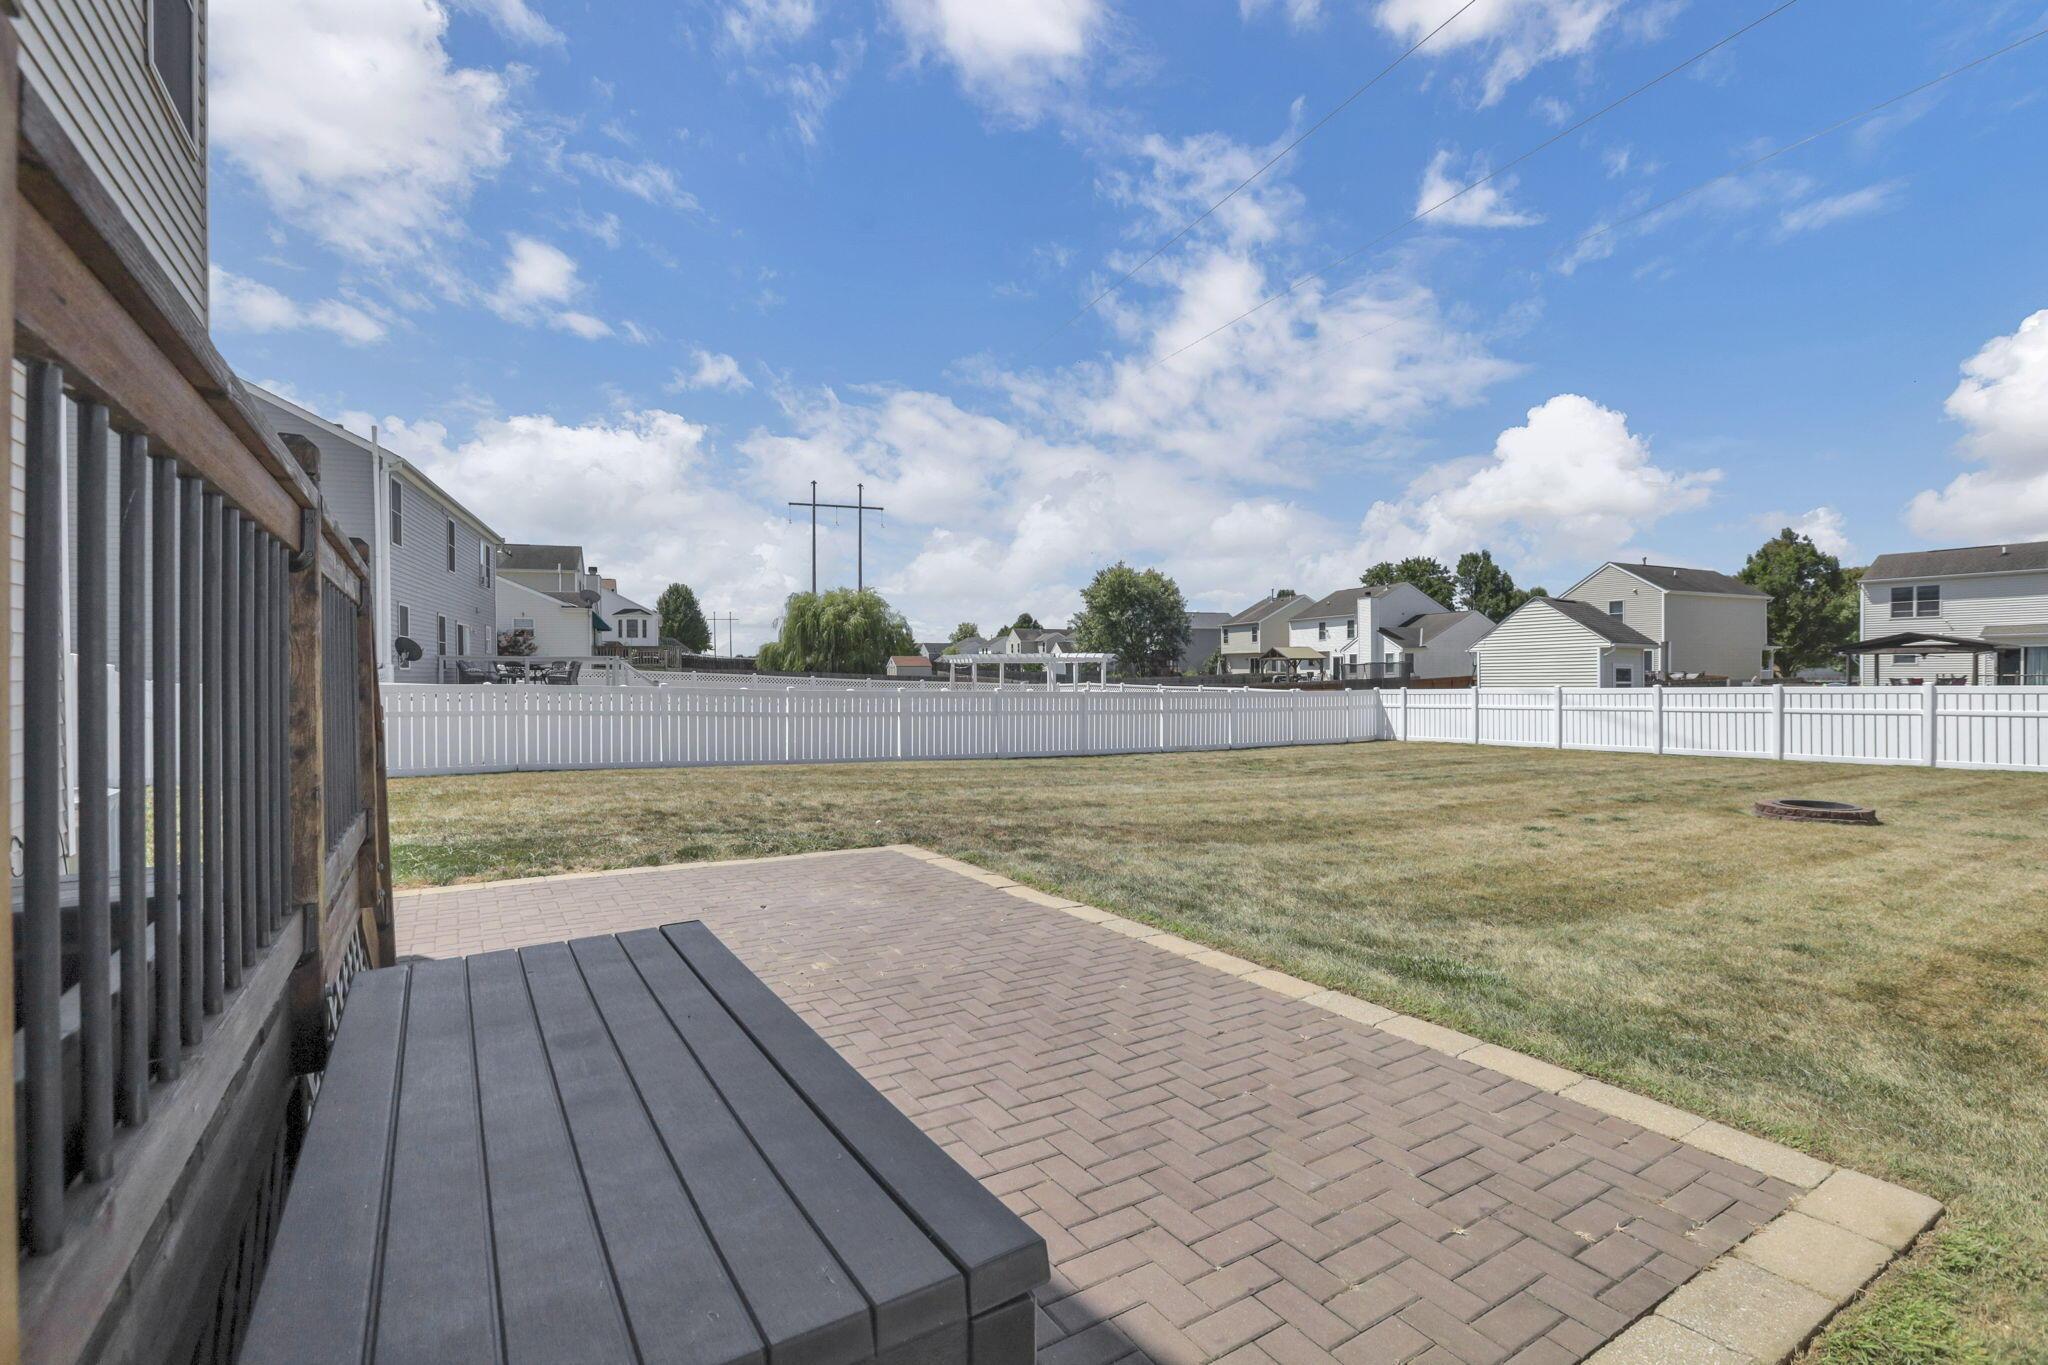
{"x":633,"y":274}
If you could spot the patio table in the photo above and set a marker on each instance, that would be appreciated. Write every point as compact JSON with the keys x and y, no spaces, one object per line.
{"x":624,"y":1148}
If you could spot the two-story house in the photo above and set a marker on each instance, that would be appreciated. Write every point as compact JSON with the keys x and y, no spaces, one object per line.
{"x":634,"y":628}
{"x":1702,"y":623}
{"x":1996,"y":595}
{"x":1260,"y":626}
{"x":1204,"y":642}
{"x":1349,"y":628}
{"x":434,"y":560}
{"x":549,"y":590}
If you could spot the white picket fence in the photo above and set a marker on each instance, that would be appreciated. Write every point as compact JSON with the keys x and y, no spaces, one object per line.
{"x":433,"y":728}
{"x":1949,"y":727}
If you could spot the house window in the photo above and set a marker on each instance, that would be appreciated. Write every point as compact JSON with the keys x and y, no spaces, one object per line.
{"x":440,"y":635}
{"x":1351,"y":629}
{"x":522,"y":623}
{"x":1614,"y":608}
{"x":461,"y":638}
{"x":404,"y":619}
{"x":483,"y":562}
{"x":174,"y":52}
{"x":1255,"y":634}
{"x":397,"y":511}
{"x":1907,"y":659}
{"x":1322,"y":630}
{"x":1923,"y":600}
{"x":451,"y":545}
{"x":1624,"y":677}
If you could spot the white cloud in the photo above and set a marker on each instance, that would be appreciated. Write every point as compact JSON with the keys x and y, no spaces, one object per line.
{"x":1015,"y":55}
{"x":1815,"y":214}
{"x":353,"y":121}
{"x":1571,"y":486}
{"x":1516,"y":36}
{"x":647,"y":180}
{"x":751,"y":25}
{"x":1300,"y":13}
{"x":710,"y":370}
{"x":811,"y":89}
{"x":2002,"y":402}
{"x":540,"y":282}
{"x":240,"y":304}
{"x":1485,"y":206}
{"x":1824,"y":526}
{"x":516,"y":19}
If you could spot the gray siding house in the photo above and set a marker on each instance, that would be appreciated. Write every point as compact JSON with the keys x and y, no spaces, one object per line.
{"x":434,"y":562}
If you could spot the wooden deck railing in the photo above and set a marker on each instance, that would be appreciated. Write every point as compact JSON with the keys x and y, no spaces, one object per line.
{"x":194,"y":647}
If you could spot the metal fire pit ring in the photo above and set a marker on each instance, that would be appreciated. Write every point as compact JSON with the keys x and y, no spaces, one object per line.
{"x":1821,"y":812}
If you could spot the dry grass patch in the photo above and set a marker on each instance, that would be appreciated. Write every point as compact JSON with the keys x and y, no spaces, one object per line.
{"x":1875,"y":996}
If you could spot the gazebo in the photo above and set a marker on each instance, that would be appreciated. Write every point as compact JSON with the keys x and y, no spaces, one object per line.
{"x":1920,"y":642}
{"x":1050,"y":661}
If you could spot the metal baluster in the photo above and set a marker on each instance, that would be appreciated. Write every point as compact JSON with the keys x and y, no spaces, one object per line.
{"x":251,"y":631}
{"x":134,"y":917}
{"x":266,"y":787}
{"x":280,"y":757}
{"x":210,"y":777}
{"x":42,"y":701}
{"x":191,"y":756}
{"x":164,"y":655}
{"x":95,"y":852}
{"x":233,"y":736}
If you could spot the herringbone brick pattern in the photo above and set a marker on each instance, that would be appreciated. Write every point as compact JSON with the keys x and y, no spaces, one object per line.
{"x":1221,"y":1173}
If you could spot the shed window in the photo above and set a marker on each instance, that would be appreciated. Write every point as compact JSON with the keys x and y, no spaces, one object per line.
{"x":174,"y":52}
{"x":451,"y":545}
{"x":397,"y":511}
{"x":1923,"y":600}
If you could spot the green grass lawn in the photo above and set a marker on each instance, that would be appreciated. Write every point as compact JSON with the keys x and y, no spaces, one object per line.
{"x":1878,"y":997}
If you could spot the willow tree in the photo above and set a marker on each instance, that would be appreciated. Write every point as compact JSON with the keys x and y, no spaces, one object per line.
{"x":841,"y":631}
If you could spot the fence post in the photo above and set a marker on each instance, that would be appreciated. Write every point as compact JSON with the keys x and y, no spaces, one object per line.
{"x":899,"y":722}
{"x":1233,"y":720}
{"x":1475,"y":712}
{"x":1777,"y":720}
{"x":1162,"y":719}
{"x":1557,"y":715}
{"x":1931,"y":704}
{"x":1657,"y":716}
{"x":995,"y":711}
{"x":788,"y":721}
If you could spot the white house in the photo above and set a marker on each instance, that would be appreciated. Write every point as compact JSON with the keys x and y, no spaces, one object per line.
{"x":1700,"y":621}
{"x":1996,"y":594}
{"x":1345,"y":626}
{"x":1435,"y":644}
{"x":1558,"y":642}
{"x":562,"y":623}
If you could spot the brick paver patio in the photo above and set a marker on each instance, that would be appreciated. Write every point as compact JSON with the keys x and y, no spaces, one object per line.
{"x":1221,"y":1172}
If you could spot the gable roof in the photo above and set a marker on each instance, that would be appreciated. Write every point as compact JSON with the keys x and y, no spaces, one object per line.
{"x":1417,"y":631}
{"x":1342,"y":602}
{"x":1676,"y":578}
{"x":1609,"y":628}
{"x":2030,"y":557}
{"x":1264,"y":607}
{"x":1207,"y":620}
{"x":542,"y":557}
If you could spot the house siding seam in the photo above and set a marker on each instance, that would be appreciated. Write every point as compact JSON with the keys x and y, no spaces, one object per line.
{"x":89,"y":59}
{"x":1971,"y":604}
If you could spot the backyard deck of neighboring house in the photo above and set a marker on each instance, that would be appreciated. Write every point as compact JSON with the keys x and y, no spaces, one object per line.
{"x":1226,"y":1162}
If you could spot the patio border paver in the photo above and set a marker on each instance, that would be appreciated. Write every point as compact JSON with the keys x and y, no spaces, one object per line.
{"x":1757,"y":1304}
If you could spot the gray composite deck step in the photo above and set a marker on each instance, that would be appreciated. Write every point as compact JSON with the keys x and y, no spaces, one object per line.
{"x":624,"y":1149}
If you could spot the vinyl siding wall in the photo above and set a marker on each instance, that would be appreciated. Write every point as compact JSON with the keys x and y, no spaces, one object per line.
{"x":1973,"y":606}
{"x":1720,"y":636}
{"x":559,"y":631}
{"x":1642,"y":605}
{"x":1538,"y":647}
{"x":89,"y":59}
{"x":421,"y":580}
{"x":1448,"y":655}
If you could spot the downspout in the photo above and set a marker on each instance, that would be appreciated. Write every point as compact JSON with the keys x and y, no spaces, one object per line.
{"x":380,"y":538}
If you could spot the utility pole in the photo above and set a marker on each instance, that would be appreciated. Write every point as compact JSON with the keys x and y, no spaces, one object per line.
{"x":860,"y":507}
{"x":728,"y":618}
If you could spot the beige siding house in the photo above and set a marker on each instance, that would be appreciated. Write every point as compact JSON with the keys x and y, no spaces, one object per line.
{"x":1994,"y":593}
{"x":1701,"y":622}
{"x":1257,"y":628}
{"x":1557,"y":642}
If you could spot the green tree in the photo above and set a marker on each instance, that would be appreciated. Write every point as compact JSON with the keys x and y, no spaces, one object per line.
{"x":1425,"y":573}
{"x":1025,"y":621}
{"x":1813,"y":599}
{"x":963,"y":631}
{"x":1487,"y":588}
{"x":1137,"y":615}
{"x":841,"y":631}
{"x":681,"y":618}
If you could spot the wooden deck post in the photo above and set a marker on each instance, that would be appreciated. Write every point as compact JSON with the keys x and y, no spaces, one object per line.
{"x":373,"y":861}
{"x":10,"y":1301}
{"x":306,"y":822}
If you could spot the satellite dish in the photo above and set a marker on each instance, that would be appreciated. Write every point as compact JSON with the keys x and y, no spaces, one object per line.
{"x":408,"y":650}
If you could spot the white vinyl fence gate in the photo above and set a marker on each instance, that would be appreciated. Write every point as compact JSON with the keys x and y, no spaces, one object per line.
{"x":433,"y":728}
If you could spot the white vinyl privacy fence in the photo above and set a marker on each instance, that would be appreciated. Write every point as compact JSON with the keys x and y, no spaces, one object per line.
{"x":432,"y":728}
{"x":1950,"y":727}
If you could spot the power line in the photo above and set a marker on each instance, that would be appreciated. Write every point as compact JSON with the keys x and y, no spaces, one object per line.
{"x":1837,"y":126}
{"x":1241,"y":185}
{"x":1495,"y":174}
